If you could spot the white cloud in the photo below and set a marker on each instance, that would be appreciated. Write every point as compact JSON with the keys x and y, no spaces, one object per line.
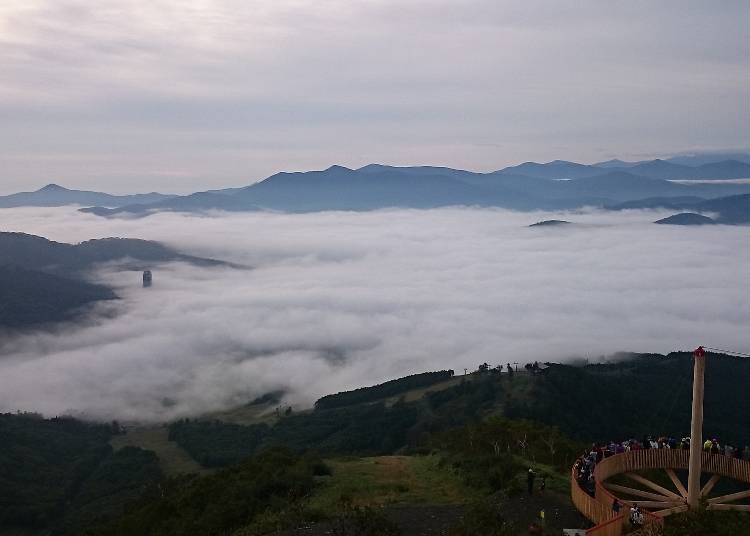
{"x":339,"y":300}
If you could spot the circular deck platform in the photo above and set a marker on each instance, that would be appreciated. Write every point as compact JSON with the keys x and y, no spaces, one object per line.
{"x":655,"y":500}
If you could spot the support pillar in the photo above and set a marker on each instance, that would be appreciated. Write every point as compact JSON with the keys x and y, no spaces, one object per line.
{"x":696,"y":430}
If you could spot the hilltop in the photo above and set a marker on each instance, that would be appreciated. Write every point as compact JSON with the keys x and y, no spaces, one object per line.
{"x":686,"y":218}
{"x":31,"y":251}
{"x":43,"y":281}
{"x":730,"y":210}
{"x":550,"y":223}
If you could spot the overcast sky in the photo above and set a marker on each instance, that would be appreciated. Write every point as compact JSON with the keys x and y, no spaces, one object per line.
{"x":178,"y":95}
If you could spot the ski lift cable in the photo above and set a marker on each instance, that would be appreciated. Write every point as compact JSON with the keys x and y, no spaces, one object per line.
{"x":728,"y":352}
{"x":671,"y":393}
{"x":682,"y":383}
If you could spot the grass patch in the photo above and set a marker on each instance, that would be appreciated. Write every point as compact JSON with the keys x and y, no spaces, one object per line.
{"x":173,"y":459}
{"x":418,"y":394}
{"x":246,"y":415}
{"x":555,"y":480}
{"x":389,"y":480}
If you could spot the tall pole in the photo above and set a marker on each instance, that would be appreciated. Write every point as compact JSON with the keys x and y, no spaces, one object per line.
{"x":696,"y":430}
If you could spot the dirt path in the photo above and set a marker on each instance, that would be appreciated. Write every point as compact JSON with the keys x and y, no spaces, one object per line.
{"x":413,"y":520}
{"x":559,"y":512}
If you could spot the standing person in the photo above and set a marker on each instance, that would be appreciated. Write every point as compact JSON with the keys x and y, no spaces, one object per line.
{"x":530,"y":480}
{"x":636,"y":517}
{"x":616,"y":507}
{"x":543,"y":485}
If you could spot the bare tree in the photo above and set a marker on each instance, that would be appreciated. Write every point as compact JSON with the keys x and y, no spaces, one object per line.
{"x":550,"y":442}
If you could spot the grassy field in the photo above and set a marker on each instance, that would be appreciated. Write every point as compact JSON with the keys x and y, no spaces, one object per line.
{"x":386,"y":480}
{"x":417,"y":394}
{"x":555,"y":481}
{"x":172,"y":458}
{"x":246,"y":415}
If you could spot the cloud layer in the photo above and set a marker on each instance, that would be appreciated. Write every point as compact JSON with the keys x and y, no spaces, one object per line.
{"x":341,"y":300}
{"x":127,"y":95}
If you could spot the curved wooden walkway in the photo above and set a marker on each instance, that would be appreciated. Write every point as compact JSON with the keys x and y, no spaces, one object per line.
{"x":662,"y":501}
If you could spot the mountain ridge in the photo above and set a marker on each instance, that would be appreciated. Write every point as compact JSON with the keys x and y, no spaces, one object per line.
{"x":73,"y":260}
{"x":43,"y":281}
{"x":558,"y":184}
{"x":54,"y":195}
{"x":376,"y":187}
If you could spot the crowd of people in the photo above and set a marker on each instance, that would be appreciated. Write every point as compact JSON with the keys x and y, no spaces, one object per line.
{"x":586,"y":463}
{"x":713,"y":446}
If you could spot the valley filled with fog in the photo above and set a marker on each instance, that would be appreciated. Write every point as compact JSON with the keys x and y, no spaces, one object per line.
{"x":337,"y":300}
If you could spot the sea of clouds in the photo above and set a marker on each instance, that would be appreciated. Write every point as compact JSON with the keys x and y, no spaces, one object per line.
{"x":339,"y":300}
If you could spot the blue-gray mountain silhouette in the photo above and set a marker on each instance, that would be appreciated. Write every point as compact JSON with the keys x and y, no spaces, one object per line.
{"x":559,"y":184}
{"x":54,"y":195}
{"x":377,"y":187}
{"x":686,"y":218}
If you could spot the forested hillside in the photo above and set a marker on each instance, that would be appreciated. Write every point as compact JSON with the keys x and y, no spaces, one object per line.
{"x":43,"y":281}
{"x":70,"y":260}
{"x":60,"y":475}
{"x":646,"y":394}
{"x":383,"y":390}
{"x":468,"y":441}
{"x":30,"y":297}
{"x":249,"y":493}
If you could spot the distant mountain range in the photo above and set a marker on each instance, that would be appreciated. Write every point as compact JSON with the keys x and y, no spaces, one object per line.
{"x":43,"y":281}
{"x":377,"y":186}
{"x":53,"y":195}
{"x":670,"y":169}
{"x":692,"y":160}
{"x":529,"y":186}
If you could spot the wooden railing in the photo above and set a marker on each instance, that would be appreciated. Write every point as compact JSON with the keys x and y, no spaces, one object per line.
{"x":625,"y":463}
{"x":598,"y":509}
{"x":637,"y":460}
{"x":607,"y":522}
{"x":613,"y":527}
